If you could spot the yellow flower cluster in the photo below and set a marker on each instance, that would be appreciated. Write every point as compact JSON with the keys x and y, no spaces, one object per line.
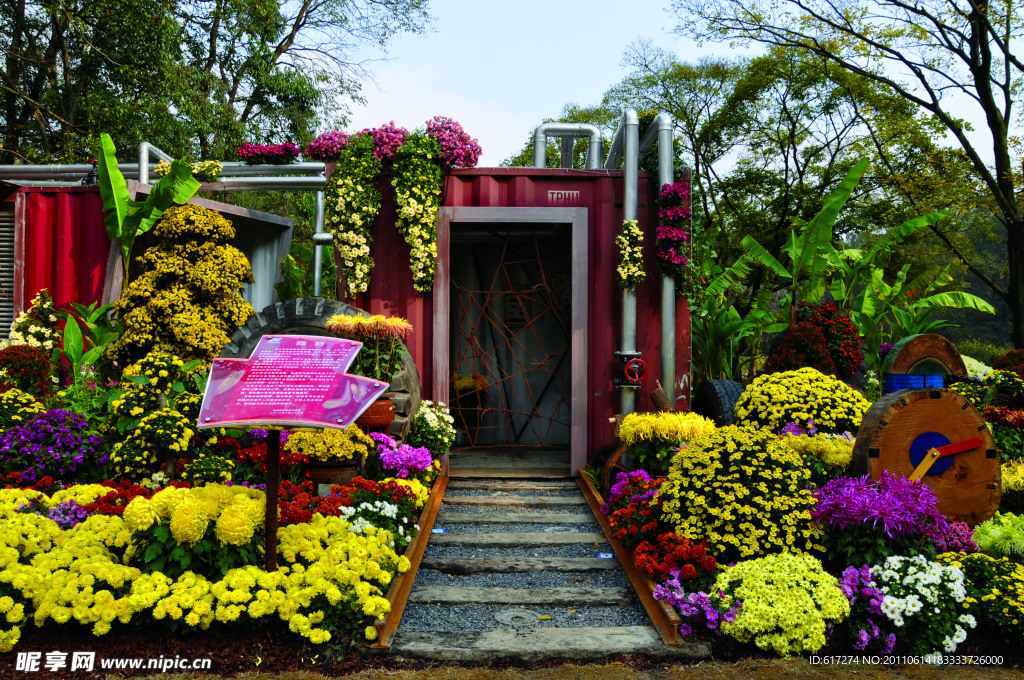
{"x":204,"y":171}
{"x":186,"y":301}
{"x":995,"y":591}
{"x":79,"y":493}
{"x":742,"y":491}
{"x":17,"y":407}
{"x":352,"y":205}
{"x":775,"y":399}
{"x":1013,"y":475}
{"x":421,"y":490}
{"x":146,"y":447}
{"x":361,"y":327}
{"x":329,"y":444}
{"x":631,"y":253}
{"x":832,"y":451}
{"x":327,"y":572}
{"x":674,"y":427}
{"x":12,"y":499}
{"x":418,"y":182}
{"x":236,"y":511}
{"x":208,"y":467}
{"x":787,"y":602}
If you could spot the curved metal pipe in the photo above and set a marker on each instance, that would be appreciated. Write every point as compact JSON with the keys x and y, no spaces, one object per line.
{"x":595,"y":145}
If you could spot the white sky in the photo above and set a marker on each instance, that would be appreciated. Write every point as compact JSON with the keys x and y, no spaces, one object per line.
{"x":500,"y":68}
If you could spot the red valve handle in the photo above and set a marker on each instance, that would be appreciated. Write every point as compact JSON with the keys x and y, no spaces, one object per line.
{"x":636,"y":370}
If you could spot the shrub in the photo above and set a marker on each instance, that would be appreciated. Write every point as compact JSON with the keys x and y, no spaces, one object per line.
{"x":995,"y":592}
{"x":1001,"y":536}
{"x":998,"y":388}
{"x":1007,"y":430}
{"x":1013,"y":487}
{"x":787,"y":602}
{"x":742,"y":491}
{"x":840,"y":336}
{"x":924,"y":599}
{"x":985,"y":352}
{"x":866,"y":521}
{"x":207,"y":468}
{"x":1011,"y":361}
{"x":804,"y":346}
{"x":773,"y":400}
{"x":160,"y":433}
{"x":653,"y":438}
{"x":26,"y":368}
{"x":186,"y":300}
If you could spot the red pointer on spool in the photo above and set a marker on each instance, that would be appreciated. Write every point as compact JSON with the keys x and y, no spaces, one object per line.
{"x":941,"y":451}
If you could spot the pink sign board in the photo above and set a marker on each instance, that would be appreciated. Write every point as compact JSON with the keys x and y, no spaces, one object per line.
{"x":290,"y":381}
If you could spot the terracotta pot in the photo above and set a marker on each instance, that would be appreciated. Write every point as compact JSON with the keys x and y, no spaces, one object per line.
{"x":339,"y":472}
{"x":378,"y":417}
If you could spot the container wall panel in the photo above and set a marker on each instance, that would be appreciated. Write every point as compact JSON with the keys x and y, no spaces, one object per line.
{"x":60,"y":244}
{"x":601,"y":193}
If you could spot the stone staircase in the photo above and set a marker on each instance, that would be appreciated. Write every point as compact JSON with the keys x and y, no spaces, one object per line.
{"x":520,"y":570}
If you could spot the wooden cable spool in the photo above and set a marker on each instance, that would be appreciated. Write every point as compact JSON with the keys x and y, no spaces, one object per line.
{"x":901,"y":428}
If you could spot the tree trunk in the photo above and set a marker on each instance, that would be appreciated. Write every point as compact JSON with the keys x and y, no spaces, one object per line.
{"x":1015,"y":289}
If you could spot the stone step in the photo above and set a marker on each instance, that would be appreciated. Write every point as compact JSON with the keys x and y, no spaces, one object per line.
{"x":515,"y":540}
{"x":463,"y":595}
{"x":520,"y":517}
{"x":511,"y":485}
{"x":508,"y":565}
{"x":543,"y":644}
{"x":514,"y":501}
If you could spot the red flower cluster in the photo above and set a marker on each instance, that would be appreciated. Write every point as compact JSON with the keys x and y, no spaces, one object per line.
{"x":638,"y":520}
{"x":13,"y":480}
{"x":26,"y":368}
{"x":673,"y":231}
{"x":1011,"y":361}
{"x":255,"y":455}
{"x":1003,"y":415}
{"x":840,"y":336}
{"x":804,"y":346}
{"x":121,"y":494}
{"x":657,"y":559}
{"x":299,"y":502}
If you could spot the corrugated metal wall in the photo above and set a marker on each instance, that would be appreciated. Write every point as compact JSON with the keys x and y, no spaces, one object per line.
{"x":60,"y":244}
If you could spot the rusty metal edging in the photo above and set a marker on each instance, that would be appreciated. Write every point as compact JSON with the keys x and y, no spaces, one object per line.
{"x":401,"y":585}
{"x":665,"y":619}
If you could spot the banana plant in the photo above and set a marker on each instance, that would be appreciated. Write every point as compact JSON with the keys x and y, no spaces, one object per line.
{"x":808,"y":248}
{"x":124,"y":218}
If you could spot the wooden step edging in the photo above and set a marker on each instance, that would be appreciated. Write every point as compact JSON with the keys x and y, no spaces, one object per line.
{"x":664,"y":618}
{"x":401,"y":585}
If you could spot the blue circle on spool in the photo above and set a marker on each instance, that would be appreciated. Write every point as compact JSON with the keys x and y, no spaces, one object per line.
{"x":924,"y":443}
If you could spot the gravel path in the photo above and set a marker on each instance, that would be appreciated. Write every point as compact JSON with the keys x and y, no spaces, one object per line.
{"x":521,"y":528}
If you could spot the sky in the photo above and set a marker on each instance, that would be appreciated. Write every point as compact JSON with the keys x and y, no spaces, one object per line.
{"x":501,"y":68}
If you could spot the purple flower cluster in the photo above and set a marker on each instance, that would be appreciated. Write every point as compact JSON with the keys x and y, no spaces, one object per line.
{"x":386,"y":140}
{"x":796,"y":429}
{"x":404,"y":460}
{"x":68,"y":514}
{"x":52,"y":443}
{"x":865,"y":603}
{"x":268,"y":153}
{"x":697,"y":605}
{"x":623,"y":483}
{"x":327,"y":147}
{"x":458,"y":149}
{"x":957,"y":537}
{"x":899,"y":507}
{"x":884,"y":349}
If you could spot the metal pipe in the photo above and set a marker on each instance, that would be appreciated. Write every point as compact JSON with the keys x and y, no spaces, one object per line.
{"x":661,"y":129}
{"x":568,"y":143}
{"x":131,"y":170}
{"x":318,"y":227}
{"x":238,"y":169}
{"x":573,"y":130}
{"x":630,"y":126}
{"x":143,"y":162}
{"x":271,"y":183}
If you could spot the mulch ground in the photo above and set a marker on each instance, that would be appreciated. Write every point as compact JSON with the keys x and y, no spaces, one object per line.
{"x":283,"y":655}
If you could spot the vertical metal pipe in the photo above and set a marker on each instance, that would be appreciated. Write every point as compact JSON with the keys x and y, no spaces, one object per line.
{"x":595,"y":151}
{"x":568,"y":143}
{"x":144,"y":162}
{"x":318,"y":253}
{"x":666,"y":158}
{"x":540,"y":147}
{"x":631,"y":170}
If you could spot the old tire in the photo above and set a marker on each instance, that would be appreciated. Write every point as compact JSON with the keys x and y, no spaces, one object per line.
{"x":717,"y":399}
{"x":308,"y":316}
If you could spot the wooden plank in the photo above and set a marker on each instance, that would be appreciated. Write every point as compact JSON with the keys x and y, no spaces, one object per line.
{"x":514,"y":540}
{"x":510,"y":565}
{"x":665,"y":619}
{"x":401,"y":585}
{"x":513,"y":515}
{"x":515,"y":501}
{"x":509,"y":472}
{"x":456,"y":595}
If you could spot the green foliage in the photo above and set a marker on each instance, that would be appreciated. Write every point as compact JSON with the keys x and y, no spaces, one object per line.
{"x":1001,"y":536}
{"x":297,"y":272}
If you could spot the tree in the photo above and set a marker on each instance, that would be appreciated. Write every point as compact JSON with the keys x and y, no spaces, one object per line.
{"x":942,"y":57}
{"x":191,"y":76}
